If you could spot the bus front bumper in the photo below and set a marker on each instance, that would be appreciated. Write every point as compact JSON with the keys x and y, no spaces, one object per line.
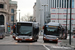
{"x":14,"y":37}
{"x":45,"y":39}
{"x":24,"y":39}
{"x":1,"y":37}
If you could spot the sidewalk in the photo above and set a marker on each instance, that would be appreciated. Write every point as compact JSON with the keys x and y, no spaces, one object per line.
{"x":65,"y":43}
{"x":40,"y":33}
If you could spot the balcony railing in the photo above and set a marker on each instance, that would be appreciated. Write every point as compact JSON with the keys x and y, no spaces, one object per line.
{"x":2,"y":1}
{"x":3,"y":10}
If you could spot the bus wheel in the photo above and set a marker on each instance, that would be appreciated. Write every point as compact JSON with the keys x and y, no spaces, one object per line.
{"x":2,"y":38}
{"x":35,"y":40}
{"x":14,"y":39}
{"x":45,"y":41}
{"x":65,"y":38}
{"x":18,"y":41}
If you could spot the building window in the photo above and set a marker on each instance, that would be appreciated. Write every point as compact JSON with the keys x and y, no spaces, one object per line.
{"x":72,"y":3}
{"x":51,"y":3}
{"x":53,"y":21}
{"x":12,"y":10}
{"x":1,"y":20}
{"x":12,"y":18}
{"x":62,"y":3}
{"x":55,"y":3}
{"x":69,"y":4}
{"x":65,"y":4}
{"x":64,"y":15}
{"x":64,"y":21}
{"x":1,"y":6}
{"x":53,"y":15}
{"x":65,"y":10}
{"x":53,"y":10}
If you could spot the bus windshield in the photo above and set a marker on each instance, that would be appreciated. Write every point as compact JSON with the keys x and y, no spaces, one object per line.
{"x":51,"y":31}
{"x":24,"y":30}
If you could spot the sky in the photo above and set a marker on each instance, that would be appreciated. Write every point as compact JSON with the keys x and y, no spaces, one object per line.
{"x":25,"y":7}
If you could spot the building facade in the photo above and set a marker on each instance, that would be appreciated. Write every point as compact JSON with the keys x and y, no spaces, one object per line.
{"x":42,"y":11}
{"x":59,"y":10}
{"x":7,"y":12}
{"x":50,"y":10}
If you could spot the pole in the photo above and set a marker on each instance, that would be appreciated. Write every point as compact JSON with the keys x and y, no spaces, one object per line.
{"x":70,"y":21}
{"x":58,"y":11}
{"x":19,"y":16}
{"x":66,"y":17}
{"x":13,"y":20}
{"x":13,"y":17}
{"x":58,"y":15}
{"x":44,"y":14}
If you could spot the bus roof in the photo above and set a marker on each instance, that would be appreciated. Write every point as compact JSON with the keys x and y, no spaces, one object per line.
{"x":35,"y":23}
{"x":53,"y":24}
{"x":26,"y":22}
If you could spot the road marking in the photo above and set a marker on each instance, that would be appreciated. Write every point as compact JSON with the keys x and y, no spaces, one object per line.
{"x":46,"y":47}
{"x":60,"y":47}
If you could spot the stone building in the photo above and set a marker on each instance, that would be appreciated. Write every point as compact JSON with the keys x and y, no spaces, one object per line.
{"x":7,"y":13}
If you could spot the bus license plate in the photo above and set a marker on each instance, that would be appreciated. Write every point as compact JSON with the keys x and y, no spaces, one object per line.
{"x":50,"y":40}
{"x":23,"y":38}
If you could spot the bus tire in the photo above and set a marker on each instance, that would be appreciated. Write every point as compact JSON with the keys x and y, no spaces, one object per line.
{"x":14,"y":39}
{"x":35,"y":40}
{"x":2,"y":38}
{"x":18,"y":41}
{"x":65,"y":38}
{"x":45,"y":41}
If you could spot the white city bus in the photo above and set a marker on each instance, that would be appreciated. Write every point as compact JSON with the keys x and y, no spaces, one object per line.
{"x":53,"y":31}
{"x":27,"y":31}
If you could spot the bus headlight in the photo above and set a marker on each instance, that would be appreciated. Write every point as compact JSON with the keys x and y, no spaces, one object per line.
{"x":57,"y":38}
{"x":30,"y":37}
{"x":16,"y":37}
{"x":44,"y":37}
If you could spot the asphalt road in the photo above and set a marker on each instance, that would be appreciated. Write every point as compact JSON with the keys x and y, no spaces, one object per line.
{"x":8,"y":43}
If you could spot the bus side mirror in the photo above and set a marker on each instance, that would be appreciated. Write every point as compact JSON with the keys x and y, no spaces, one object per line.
{"x":43,"y":27}
{"x":14,"y":26}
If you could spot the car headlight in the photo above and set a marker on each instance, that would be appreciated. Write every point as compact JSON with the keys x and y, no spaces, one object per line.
{"x":16,"y":37}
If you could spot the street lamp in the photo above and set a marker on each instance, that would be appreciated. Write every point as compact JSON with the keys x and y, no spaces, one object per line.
{"x":44,"y":12}
{"x":13,"y":16}
{"x":19,"y":15}
{"x":40,"y":16}
{"x":58,"y":14}
{"x":66,"y":17}
{"x":70,"y":21}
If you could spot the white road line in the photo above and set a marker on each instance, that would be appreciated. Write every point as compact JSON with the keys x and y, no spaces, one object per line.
{"x":60,"y":47}
{"x":46,"y":47}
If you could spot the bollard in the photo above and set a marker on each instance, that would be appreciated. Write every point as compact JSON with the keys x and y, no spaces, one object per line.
{"x":59,"y":43}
